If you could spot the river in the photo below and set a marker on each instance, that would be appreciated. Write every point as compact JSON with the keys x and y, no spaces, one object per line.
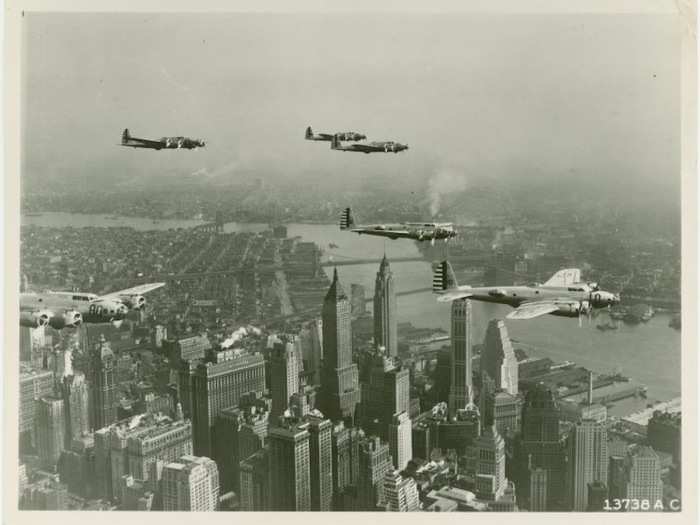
{"x":649,"y":353}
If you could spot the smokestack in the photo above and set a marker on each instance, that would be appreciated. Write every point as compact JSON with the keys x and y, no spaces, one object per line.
{"x":590,"y":388}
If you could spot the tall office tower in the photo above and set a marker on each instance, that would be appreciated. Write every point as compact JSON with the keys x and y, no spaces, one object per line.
{"x":50,"y":430}
{"x":375,"y":462}
{"x":643,"y":470}
{"x":358,"y":302}
{"x":385,"y":393}
{"x":340,"y":392}
{"x":289,"y":479}
{"x":617,"y":476}
{"x":33,"y":385}
{"x":190,"y":484}
{"x":133,"y":446}
{"x":45,"y":494}
{"x":539,"y":446}
{"x":284,"y":373}
{"x":76,"y":406}
{"x":498,"y":359}
{"x":101,"y":384}
{"x":311,"y":341}
{"x":77,"y":467}
{"x":254,"y":479}
{"x":345,"y":454}
{"x":491,"y":479}
{"x":215,"y":386}
{"x":385,"y":310}
{"x":460,"y":356}
{"x":240,"y":432}
{"x":400,"y":442}
{"x":588,"y":460}
{"x":321,"y":463}
{"x":400,"y":494}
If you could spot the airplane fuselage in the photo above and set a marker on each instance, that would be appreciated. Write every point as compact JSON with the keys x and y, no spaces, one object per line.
{"x":515,"y":296}
{"x":427,"y":233}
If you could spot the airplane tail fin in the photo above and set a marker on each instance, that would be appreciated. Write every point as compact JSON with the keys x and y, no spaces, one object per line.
{"x":335,"y":142}
{"x":443,"y":277}
{"x":125,"y":136}
{"x":309,"y":133}
{"x":346,"y":220}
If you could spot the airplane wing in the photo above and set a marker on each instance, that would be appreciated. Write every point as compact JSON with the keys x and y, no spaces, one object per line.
{"x":143,"y":143}
{"x":392,"y":234}
{"x":136,"y":290}
{"x":564,"y":278}
{"x":532,"y":310}
{"x":453,"y":296}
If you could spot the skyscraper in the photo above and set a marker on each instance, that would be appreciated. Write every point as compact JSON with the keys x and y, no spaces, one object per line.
{"x":101,"y":384}
{"x":254,"y":482}
{"x":400,"y":442}
{"x":215,"y":386}
{"x":50,"y":430}
{"x":539,"y":447}
{"x":284,"y":375}
{"x":400,"y":494}
{"x":289,"y":469}
{"x":321,"y":463}
{"x":134,"y":445}
{"x":375,"y":462}
{"x":490,"y":465}
{"x":385,"y":392}
{"x":190,"y":484}
{"x":358,"y":305}
{"x":33,"y":385}
{"x":76,"y":406}
{"x":588,"y":460}
{"x":311,"y":342}
{"x":460,"y":356}
{"x":385,"y":309}
{"x":643,"y":469}
{"x":345,"y":457}
{"x":498,"y":359}
{"x":339,"y":376}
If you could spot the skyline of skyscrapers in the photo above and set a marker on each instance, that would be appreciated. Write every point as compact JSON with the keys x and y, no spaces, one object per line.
{"x":264,"y":435}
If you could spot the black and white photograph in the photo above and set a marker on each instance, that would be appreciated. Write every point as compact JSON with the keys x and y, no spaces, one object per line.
{"x":354,"y":259}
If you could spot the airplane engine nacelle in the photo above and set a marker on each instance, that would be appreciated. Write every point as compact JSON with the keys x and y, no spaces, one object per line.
{"x":35,"y":319}
{"x":68,"y":319}
{"x":134,"y":302}
{"x":572,"y":309}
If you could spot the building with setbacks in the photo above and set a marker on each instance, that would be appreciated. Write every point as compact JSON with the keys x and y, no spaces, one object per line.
{"x":50,"y":424}
{"x":385,"y":321}
{"x":340,"y":391}
{"x":460,"y":385}
{"x":498,"y":359}
{"x":587,"y":461}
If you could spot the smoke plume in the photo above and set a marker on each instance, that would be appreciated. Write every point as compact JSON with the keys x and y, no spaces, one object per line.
{"x":444,"y":182}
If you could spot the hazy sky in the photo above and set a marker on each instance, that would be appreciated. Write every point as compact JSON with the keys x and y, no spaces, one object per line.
{"x":565,"y":96}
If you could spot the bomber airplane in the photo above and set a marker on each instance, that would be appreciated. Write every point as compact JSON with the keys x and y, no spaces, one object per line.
{"x":349,"y":136}
{"x":69,"y":309}
{"x":563,"y":295}
{"x":163,"y":143}
{"x":371,"y":147}
{"x":419,"y":231}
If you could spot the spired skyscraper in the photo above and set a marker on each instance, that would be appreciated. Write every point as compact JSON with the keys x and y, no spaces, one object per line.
{"x":385,"y":309}
{"x":460,"y":357}
{"x":340,"y":391}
